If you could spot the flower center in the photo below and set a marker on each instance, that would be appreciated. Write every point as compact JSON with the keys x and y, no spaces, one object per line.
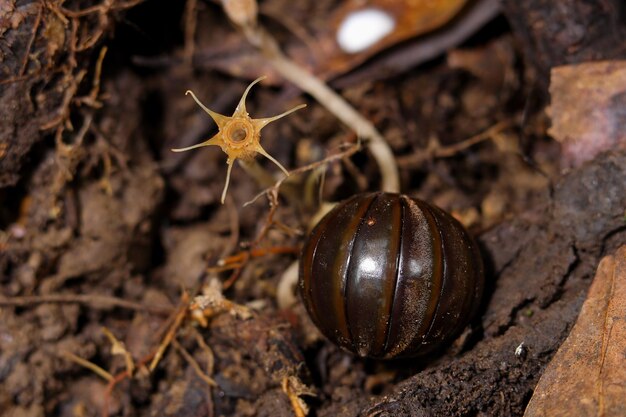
{"x":238,"y":133}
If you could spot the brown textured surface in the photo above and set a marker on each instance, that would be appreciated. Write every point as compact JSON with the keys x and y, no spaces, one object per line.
{"x":568,"y":32}
{"x":586,"y":376}
{"x":44,"y":59}
{"x":109,"y":211}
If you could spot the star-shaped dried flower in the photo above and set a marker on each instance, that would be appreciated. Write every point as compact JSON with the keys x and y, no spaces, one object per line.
{"x":238,"y":135}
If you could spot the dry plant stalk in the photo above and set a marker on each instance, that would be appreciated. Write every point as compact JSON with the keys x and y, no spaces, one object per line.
{"x":435,"y":150}
{"x":180,"y":315}
{"x":272,"y":192}
{"x":91,"y":300}
{"x":107,"y":376}
{"x":294,"y":388}
{"x":194,"y":364}
{"x":118,"y":348}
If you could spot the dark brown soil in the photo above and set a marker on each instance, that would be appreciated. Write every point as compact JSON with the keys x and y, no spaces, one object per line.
{"x":94,"y":208}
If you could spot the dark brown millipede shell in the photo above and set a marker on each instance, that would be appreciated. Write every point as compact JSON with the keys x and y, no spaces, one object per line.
{"x":385,"y":276}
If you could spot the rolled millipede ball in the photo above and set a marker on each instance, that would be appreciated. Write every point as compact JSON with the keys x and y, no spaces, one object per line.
{"x":388,"y":276}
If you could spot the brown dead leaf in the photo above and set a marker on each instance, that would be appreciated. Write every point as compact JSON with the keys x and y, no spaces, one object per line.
{"x":587,"y":376}
{"x":406,"y":20}
{"x":350,"y":33}
{"x":587,"y":110}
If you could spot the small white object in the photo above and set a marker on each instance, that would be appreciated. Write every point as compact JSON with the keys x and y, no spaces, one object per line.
{"x":285,"y":292}
{"x":520,"y":350}
{"x":363,"y":28}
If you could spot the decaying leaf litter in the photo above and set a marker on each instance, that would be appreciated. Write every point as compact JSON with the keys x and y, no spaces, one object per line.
{"x":116,"y":253}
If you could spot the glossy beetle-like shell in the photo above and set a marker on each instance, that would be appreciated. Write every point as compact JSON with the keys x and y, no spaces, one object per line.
{"x":384,"y":276}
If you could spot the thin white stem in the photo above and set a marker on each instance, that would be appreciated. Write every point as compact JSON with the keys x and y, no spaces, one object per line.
{"x":230,"y":167}
{"x":327,"y":97}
